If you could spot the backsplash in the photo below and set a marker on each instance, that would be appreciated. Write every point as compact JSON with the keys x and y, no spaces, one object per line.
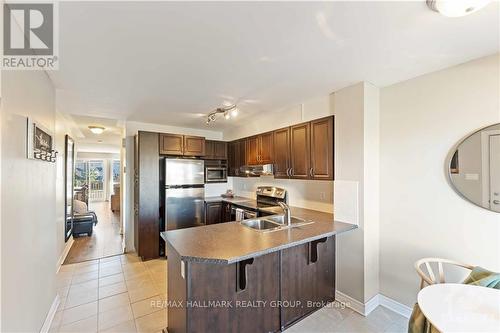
{"x":311,"y":194}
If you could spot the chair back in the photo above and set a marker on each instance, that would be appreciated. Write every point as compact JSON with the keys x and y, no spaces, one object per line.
{"x":430,"y":277}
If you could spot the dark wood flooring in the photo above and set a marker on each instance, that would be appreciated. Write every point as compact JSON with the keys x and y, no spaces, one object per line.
{"x":105,"y":240}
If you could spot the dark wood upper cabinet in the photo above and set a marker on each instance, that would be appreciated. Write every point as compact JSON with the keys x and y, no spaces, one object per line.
{"x":232,"y":154}
{"x":181,"y":145}
{"x":266,"y":145}
{"x":322,"y":149}
{"x":215,"y":150}
{"x":209,"y":149}
{"x":300,"y":145}
{"x":281,"y":153}
{"x":213,"y":212}
{"x":194,"y":145}
{"x":259,"y":149}
{"x":252,"y":150}
{"x":172,"y":144}
{"x":242,"y":154}
{"x":220,"y":150}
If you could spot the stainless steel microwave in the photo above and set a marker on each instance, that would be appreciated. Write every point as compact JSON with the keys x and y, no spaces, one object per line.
{"x":215,"y":174}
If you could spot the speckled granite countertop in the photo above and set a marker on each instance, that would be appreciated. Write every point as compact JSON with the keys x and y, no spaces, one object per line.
{"x":227,"y":243}
{"x":238,"y":201}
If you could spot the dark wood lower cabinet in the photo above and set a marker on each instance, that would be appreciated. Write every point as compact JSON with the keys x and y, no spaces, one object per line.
{"x":226,"y":212}
{"x":248,"y":296}
{"x":239,"y":297}
{"x":314,"y":286}
{"x":213,"y":212}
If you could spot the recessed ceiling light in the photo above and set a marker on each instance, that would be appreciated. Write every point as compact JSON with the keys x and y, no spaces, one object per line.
{"x":456,"y":8}
{"x":96,"y":129}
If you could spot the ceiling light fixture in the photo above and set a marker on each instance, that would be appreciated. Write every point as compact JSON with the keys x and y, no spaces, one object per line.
{"x":456,"y":8}
{"x":96,"y":129}
{"x":227,"y":111}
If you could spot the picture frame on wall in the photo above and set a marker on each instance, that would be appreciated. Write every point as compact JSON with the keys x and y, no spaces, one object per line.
{"x":40,"y":143}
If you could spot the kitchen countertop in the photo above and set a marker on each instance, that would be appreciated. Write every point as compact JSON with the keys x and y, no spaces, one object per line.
{"x":234,"y":199}
{"x":238,"y":201}
{"x":227,"y":243}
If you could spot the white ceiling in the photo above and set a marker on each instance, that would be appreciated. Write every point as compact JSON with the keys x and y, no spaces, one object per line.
{"x":172,"y":62}
{"x":108,"y":142}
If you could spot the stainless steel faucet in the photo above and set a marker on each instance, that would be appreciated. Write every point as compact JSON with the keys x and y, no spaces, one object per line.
{"x":286,"y":211}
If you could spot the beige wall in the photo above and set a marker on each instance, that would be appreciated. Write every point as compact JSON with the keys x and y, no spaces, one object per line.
{"x":348,"y":109}
{"x":420,"y":215}
{"x":28,"y":229}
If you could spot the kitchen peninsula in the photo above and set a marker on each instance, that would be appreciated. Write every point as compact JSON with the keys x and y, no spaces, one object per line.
{"x":228,"y":277}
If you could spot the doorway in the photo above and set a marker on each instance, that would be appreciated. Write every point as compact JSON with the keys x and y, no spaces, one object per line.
{"x":97,"y":190}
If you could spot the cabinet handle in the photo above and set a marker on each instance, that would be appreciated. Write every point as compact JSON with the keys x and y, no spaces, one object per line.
{"x":241,"y":274}
{"x":311,"y":172}
{"x":291,"y":172}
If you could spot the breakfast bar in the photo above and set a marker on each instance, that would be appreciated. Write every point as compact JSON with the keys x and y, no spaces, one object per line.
{"x":231,"y":277}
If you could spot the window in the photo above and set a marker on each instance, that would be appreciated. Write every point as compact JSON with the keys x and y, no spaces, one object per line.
{"x":116,"y":171}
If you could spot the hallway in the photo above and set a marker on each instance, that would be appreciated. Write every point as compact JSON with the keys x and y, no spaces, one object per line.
{"x":105,"y":240}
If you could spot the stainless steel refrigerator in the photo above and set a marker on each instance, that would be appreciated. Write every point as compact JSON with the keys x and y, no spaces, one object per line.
{"x":184,"y":193}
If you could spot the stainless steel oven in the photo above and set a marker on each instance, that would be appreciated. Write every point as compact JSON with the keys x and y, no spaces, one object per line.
{"x":216,"y":174}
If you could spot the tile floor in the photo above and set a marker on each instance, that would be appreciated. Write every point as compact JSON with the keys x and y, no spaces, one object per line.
{"x":113,"y":294}
{"x":122,"y":294}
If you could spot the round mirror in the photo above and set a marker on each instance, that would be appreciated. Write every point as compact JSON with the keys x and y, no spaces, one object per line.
{"x":474,"y":168}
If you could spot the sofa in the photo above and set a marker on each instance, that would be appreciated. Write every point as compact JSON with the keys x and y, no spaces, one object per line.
{"x":83,"y":219}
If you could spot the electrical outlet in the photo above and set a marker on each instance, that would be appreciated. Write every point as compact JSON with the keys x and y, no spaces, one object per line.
{"x":322,"y":195}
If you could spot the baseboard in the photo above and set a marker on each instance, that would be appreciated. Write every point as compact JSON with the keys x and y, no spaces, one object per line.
{"x":372,"y":304}
{"x":395,"y":306}
{"x":379,"y":299}
{"x":50,"y":316}
{"x":350,"y":302}
{"x":63,"y":256}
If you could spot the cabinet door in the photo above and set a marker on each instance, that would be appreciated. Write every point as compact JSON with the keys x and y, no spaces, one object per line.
{"x":220,"y":150}
{"x":242,"y":160}
{"x":281,"y":152}
{"x":316,"y":282}
{"x":148,"y":196}
{"x":209,"y":149}
{"x":252,"y":150}
{"x":322,"y":149}
{"x":261,"y":283}
{"x":194,"y":146}
{"x":300,"y":151}
{"x":213,"y":212}
{"x":231,"y":158}
{"x":226,"y":212}
{"x":266,"y":145}
{"x":171,"y":144}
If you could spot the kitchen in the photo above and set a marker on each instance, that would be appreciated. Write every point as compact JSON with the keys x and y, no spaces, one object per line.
{"x":298,"y":163}
{"x":232,"y":233}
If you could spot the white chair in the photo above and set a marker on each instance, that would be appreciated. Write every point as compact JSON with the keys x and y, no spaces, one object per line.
{"x":430,"y":278}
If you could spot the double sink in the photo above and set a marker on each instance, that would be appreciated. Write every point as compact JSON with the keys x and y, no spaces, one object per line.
{"x":273,"y":223}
